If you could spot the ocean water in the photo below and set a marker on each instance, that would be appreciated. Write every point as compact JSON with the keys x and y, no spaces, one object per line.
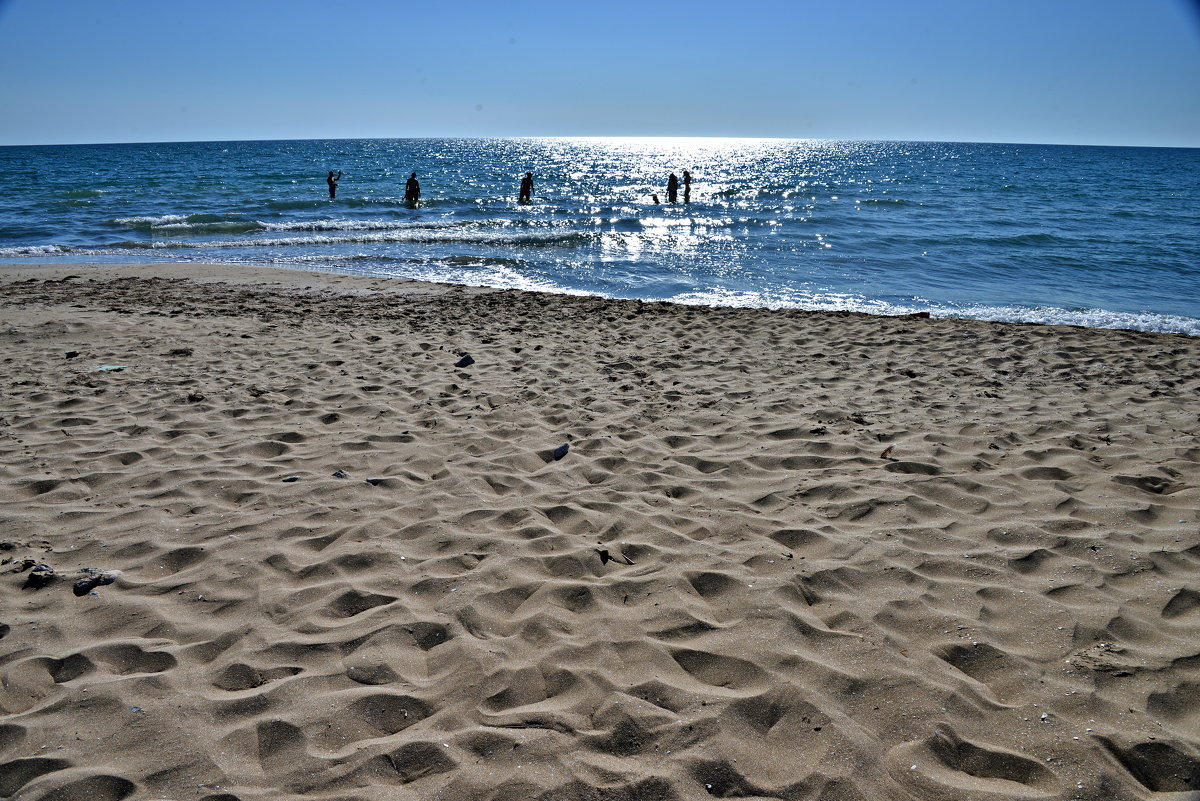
{"x":1094,"y":236}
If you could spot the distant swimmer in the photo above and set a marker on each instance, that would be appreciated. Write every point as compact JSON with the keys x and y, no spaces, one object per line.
{"x":687,"y":187}
{"x":526,"y":188}
{"x":655,"y":199}
{"x":333,"y":183}
{"x":672,"y":189}
{"x":412,"y":189}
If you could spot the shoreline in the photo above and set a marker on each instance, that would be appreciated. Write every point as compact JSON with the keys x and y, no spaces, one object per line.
{"x":793,"y":554}
{"x":268,"y":276}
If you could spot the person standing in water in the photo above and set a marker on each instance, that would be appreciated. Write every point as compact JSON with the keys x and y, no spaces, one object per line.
{"x":687,"y":187}
{"x":526,"y":188}
{"x":333,"y":183}
{"x":412,"y":189}
{"x":672,"y":189}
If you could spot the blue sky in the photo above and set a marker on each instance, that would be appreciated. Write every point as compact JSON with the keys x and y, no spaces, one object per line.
{"x":1053,"y":71}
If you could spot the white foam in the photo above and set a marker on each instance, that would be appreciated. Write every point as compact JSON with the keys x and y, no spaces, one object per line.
{"x":356,"y":225}
{"x":165,"y":219}
{"x":486,"y":274}
{"x":1087,"y":318}
{"x":833,"y":301}
{"x":33,"y":250}
{"x":415,"y":235}
{"x":810,"y":301}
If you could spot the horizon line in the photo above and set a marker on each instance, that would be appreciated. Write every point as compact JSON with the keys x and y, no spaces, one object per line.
{"x":603,"y":136}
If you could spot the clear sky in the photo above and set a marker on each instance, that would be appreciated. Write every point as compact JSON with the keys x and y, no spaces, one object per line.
{"x":1052,"y":71}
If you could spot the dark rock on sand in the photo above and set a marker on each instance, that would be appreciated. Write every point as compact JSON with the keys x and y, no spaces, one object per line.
{"x":290,"y":479}
{"x":607,"y":556}
{"x":561,"y":451}
{"x":341,"y":474}
{"x":42,"y":575}
{"x":91,"y":579}
{"x":465,"y":361}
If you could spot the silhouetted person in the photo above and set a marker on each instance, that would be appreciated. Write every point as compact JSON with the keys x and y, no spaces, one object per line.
{"x":412,"y":189}
{"x":672,"y":189}
{"x":687,"y":187}
{"x":526,"y":188}
{"x":655,"y":199}
{"x":333,"y":183}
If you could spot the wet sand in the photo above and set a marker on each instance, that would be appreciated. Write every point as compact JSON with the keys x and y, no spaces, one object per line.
{"x":786,"y":555}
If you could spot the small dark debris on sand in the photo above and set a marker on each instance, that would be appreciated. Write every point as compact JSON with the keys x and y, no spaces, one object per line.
{"x":41,"y":575}
{"x":607,"y":556}
{"x":91,"y":579}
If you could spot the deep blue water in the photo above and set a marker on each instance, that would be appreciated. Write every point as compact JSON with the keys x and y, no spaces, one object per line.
{"x":1095,"y":236}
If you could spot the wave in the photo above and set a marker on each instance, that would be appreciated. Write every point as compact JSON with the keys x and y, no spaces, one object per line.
{"x":387,"y":201}
{"x":472,"y":261}
{"x":810,"y":301}
{"x":416,"y":236}
{"x":359,"y":225}
{"x":24,"y":251}
{"x":977,"y":242}
{"x":228,"y":227}
{"x":484,"y":272}
{"x":884,"y":201}
{"x":149,"y":223}
{"x":170,"y":224}
{"x":183,"y":224}
{"x":83,"y":193}
{"x":1026,"y":239}
{"x":295,"y":205}
{"x":411,"y":236}
{"x":1086,"y":318}
{"x":374,"y":264}
{"x":1042,"y":315}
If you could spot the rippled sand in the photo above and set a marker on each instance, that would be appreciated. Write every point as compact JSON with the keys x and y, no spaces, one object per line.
{"x":787,"y":555}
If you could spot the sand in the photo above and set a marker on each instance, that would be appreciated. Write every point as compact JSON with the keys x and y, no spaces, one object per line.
{"x":787,"y":555}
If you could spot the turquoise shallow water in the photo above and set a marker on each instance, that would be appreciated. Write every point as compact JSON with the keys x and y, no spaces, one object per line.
{"x":1092,"y":236}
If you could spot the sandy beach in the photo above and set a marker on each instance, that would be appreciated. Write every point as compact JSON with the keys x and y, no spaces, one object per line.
{"x":267,"y":534}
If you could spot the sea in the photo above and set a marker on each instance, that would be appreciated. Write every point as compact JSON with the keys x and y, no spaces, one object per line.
{"x":1103,"y":237}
